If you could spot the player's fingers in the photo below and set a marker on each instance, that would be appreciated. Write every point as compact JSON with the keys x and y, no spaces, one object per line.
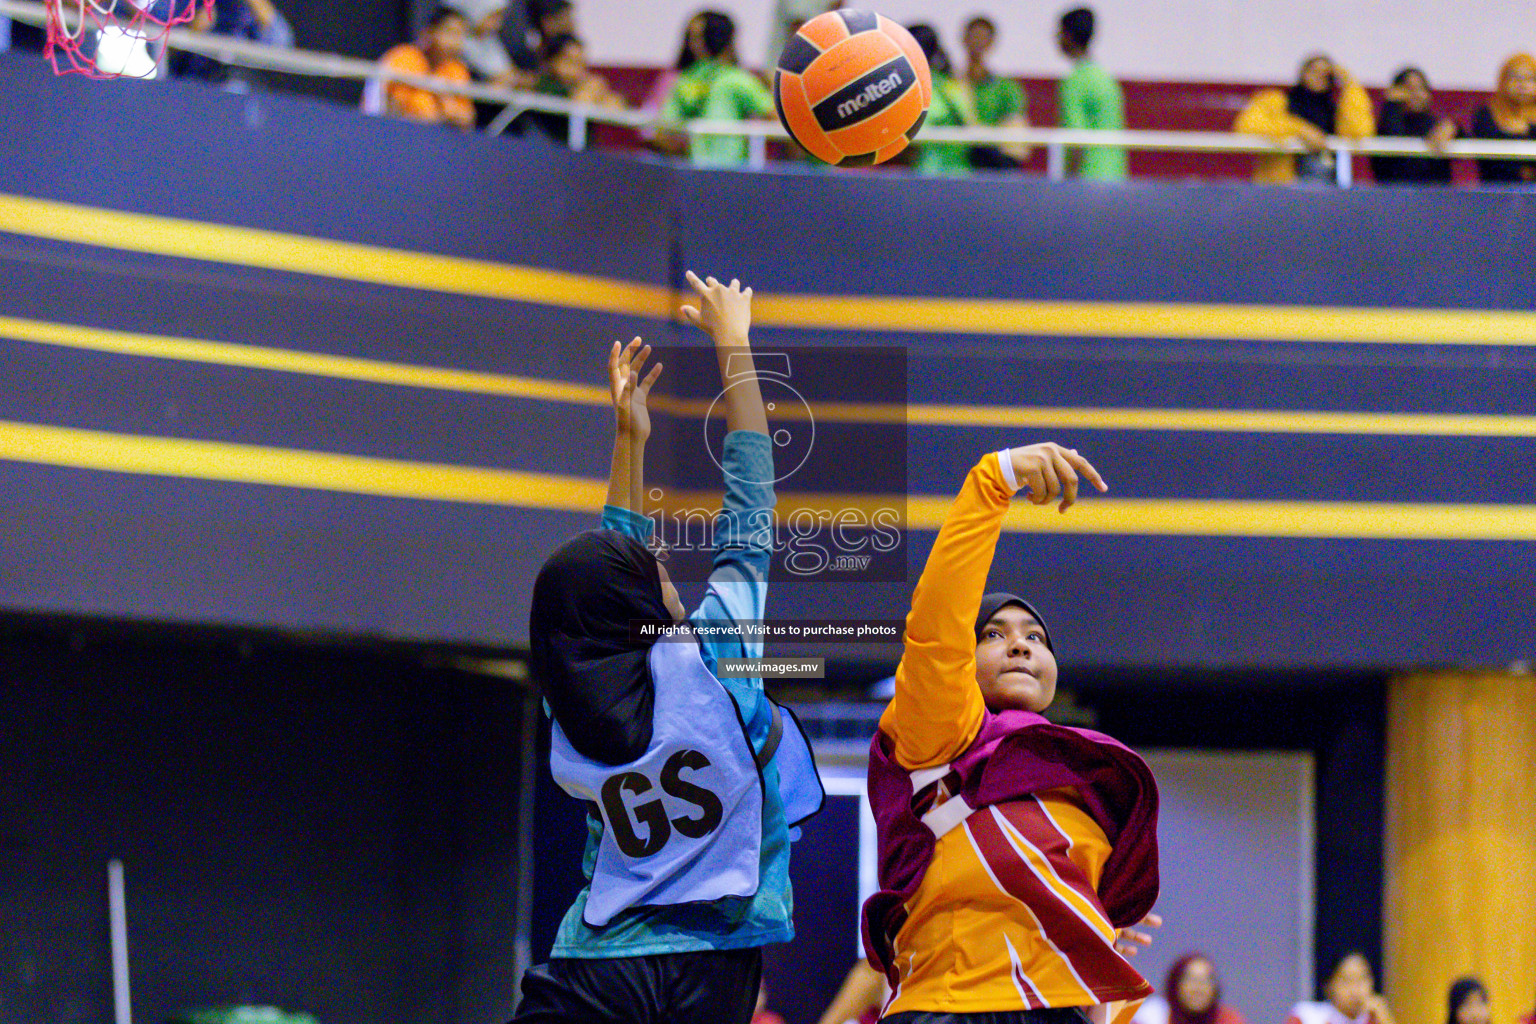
{"x":698,"y":285}
{"x":735,"y":284}
{"x":1034,"y":479}
{"x":1153,"y":920}
{"x":650,"y":378}
{"x":747,"y":291}
{"x":613,"y":356}
{"x":627,"y":357}
{"x":640,"y":357}
{"x":712,"y":282}
{"x":691,"y":314}
{"x":1068,"y":477}
{"x":1052,"y":481}
{"x":1085,"y":468}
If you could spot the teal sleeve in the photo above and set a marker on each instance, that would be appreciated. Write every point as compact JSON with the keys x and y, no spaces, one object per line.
{"x":738,"y":96}
{"x":628,"y":521}
{"x":738,"y":582}
{"x":760,"y":99}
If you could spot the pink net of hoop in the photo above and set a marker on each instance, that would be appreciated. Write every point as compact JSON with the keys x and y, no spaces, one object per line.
{"x":114,"y":38}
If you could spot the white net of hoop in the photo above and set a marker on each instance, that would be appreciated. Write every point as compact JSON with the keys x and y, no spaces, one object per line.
{"x":114,"y":38}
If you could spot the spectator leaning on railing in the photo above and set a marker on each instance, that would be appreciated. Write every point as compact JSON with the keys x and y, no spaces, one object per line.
{"x":1509,"y":114}
{"x":1408,"y":112}
{"x":484,"y":53}
{"x":565,"y":75}
{"x":436,"y":53}
{"x":1351,"y":997}
{"x":713,"y":89}
{"x":1326,"y":100}
{"x":545,"y":19}
{"x":998,"y":102}
{"x":950,"y":107}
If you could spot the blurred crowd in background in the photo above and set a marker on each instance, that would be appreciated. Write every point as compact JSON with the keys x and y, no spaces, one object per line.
{"x":1192,"y":994}
{"x":536,"y":46}
{"x":463,"y":41}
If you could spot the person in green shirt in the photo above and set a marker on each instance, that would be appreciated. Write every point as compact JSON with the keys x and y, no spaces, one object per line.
{"x":998,"y":102}
{"x":952,"y":106}
{"x":714,"y":88}
{"x":1089,"y":98}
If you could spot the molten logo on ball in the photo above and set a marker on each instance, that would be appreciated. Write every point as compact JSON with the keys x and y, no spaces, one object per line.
{"x":852,"y":87}
{"x":871,"y":93}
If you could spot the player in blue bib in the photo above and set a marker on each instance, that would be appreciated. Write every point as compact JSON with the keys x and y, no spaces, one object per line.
{"x":692,"y":782}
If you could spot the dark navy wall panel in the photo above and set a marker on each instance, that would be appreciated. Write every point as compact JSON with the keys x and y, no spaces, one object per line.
{"x":178,"y":550}
{"x":286,"y":164}
{"x":879,"y":234}
{"x":163,"y":548}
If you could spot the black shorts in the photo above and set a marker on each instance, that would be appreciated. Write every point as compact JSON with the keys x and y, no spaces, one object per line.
{"x":708,"y":987}
{"x":1052,"y":1015}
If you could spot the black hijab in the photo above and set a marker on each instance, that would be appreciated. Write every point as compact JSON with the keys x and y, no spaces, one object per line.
{"x":1460,"y":990}
{"x":592,"y":673}
{"x":1319,"y":109}
{"x":991,"y":604}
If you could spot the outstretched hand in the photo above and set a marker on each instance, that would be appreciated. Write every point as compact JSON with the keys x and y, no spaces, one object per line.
{"x":1128,"y":940}
{"x":724,"y":311}
{"x":628,"y":390}
{"x":1051,"y":472}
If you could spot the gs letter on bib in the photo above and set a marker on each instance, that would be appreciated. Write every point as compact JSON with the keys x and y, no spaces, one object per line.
{"x":683,"y":822}
{"x":652,"y":814}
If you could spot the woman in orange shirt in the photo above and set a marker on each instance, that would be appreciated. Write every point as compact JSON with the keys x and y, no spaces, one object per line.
{"x":1326,"y":100}
{"x":437,"y":54}
{"x":1014,"y":852}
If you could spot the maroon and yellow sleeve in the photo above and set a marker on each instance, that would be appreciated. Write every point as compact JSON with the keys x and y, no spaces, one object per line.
{"x":938,"y":707}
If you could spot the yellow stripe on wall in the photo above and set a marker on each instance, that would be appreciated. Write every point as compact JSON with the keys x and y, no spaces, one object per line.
{"x":374,"y":371}
{"x":323,"y":257}
{"x":1172,"y":517}
{"x":314,"y":364}
{"x":320,"y":257}
{"x":281,"y":467}
{"x":1187,"y":321}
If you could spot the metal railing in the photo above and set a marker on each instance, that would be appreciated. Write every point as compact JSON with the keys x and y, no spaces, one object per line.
{"x":1056,"y":141}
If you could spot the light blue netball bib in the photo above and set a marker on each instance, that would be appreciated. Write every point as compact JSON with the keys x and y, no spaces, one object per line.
{"x":682,"y":823}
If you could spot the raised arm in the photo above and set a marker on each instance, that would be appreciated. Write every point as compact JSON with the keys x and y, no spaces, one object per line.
{"x":738,"y":582}
{"x":938,"y":707}
{"x":631,"y":423}
{"x":725,"y":314}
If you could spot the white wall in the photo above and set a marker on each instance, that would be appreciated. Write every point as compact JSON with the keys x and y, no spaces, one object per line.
{"x":1460,"y":43}
{"x":1236,"y":856}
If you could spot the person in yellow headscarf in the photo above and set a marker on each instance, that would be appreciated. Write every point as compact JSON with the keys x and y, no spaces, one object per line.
{"x":1509,"y":114}
{"x":1326,"y":100}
